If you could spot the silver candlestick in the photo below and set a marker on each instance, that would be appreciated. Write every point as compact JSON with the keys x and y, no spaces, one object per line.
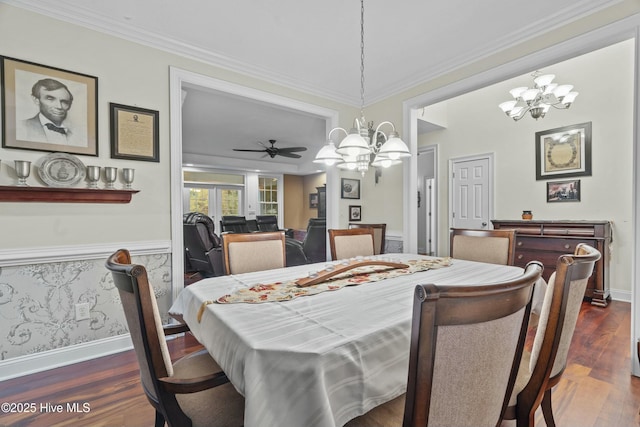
{"x":127,"y":176}
{"x":110,"y":176}
{"x":23,"y":170}
{"x":93,"y":176}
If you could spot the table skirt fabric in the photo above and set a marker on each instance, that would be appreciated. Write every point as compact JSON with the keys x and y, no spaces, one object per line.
{"x":324,"y":359}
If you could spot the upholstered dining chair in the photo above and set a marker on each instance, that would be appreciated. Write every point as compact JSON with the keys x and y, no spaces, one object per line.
{"x":491,"y":246}
{"x":379,"y":232}
{"x":247,"y":252}
{"x":542,"y":368}
{"x":466,"y":345}
{"x":349,"y":243}
{"x":191,"y":391}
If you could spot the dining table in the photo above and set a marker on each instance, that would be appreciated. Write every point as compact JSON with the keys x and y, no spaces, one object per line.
{"x":320,"y":355}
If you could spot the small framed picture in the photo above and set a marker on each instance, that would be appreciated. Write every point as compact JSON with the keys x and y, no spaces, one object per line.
{"x":134,"y":133}
{"x":313,"y":201}
{"x":48,"y":109}
{"x":350,"y":188}
{"x":563,"y":191}
{"x":355,"y":213}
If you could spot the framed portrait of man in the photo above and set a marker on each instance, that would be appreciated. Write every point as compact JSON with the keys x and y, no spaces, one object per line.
{"x":48,"y":109}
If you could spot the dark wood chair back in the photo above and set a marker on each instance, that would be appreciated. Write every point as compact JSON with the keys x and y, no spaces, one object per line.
{"x":379,"y":233}
{"x":492,"y":246}
{"x":557,"y":322}
{"x":247,"y":252}
{"x":161,"y":379}
{"x":349,"y":243}
{"x":466,"y":346}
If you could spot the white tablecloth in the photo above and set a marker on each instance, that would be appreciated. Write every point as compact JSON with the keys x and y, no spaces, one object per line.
{"x":319,"y":360}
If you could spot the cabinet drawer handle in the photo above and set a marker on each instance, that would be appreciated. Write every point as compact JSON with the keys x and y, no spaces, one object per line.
{"x":567,"y":246}
{"x":519,"y":243}
{"x":520,"y":256}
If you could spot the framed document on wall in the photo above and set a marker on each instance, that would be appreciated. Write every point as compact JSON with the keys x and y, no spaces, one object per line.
{"x":134,"y":133}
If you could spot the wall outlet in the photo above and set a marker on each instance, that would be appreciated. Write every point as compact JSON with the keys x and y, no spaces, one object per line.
{"x":82,"y":311}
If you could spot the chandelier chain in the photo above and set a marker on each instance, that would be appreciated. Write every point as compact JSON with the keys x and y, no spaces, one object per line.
{"x":362,"y":58}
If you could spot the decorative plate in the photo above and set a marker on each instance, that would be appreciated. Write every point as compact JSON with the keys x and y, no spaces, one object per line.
{"x":60,"y":170}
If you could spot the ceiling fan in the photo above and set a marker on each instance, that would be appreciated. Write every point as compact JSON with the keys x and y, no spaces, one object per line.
{"x":275,"y":151}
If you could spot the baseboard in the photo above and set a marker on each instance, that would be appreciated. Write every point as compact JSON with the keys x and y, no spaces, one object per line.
{"x":619,"y":295}
{"x":30,"y":364}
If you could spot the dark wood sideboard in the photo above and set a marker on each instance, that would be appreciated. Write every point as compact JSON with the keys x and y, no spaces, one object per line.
{"x":545,"y":241}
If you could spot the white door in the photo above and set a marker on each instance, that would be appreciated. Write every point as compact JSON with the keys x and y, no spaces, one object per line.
{"x":471,"y":192}
{"x":427,"y":208}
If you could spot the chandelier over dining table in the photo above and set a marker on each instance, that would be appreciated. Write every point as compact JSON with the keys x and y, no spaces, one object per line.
{"x":539,"y":99}
{"x":362,"y":147}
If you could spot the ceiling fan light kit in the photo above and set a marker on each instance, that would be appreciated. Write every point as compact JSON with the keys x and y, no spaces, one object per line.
{"x":539,"y":99}
{"x":356,"y":150}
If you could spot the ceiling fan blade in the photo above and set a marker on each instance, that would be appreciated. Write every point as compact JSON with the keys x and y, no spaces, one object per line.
{"x":285,"y":154}
{"x":292,"y":149}
{"x":244,"y":149}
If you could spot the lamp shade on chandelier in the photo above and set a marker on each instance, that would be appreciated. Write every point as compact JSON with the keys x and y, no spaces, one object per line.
{"x":361,"y":146}
{"x":539,"y":99}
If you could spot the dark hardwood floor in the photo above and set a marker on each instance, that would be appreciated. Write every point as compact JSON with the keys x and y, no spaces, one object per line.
{"x":596,"y":390}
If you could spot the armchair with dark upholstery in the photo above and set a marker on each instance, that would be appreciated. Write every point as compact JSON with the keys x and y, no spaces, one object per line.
{"x":203,"y":248}
{"x":314,"y":246}
{"x":270,"y":223}
{"x":234,"y":224}
{"x":315,"y":241}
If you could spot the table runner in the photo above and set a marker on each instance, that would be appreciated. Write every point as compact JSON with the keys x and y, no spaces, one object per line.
{"x":288,"y":290}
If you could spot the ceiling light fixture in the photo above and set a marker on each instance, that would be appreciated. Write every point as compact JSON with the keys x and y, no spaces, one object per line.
{"x":539,"y":99}
{"x":363,"y":146}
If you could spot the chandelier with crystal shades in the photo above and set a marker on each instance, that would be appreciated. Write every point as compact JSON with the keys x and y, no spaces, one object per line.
{"x":363,"y":147}
{"x":539,"y":99}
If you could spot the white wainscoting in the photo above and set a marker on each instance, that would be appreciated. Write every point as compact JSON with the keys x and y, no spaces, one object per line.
{"x":51,"y":254}
{"x":22,"y":287}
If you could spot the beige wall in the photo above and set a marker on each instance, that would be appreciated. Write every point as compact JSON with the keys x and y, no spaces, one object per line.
{"x":130,"y":74}
{"x":475,"y":125}
{"x":296,"y":199}
{"x":293,"y":199}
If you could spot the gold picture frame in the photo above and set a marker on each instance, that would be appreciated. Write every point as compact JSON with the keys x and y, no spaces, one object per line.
{"x":564,"y":152}
{"x":48,"y":109}
{"x":134,"y":133}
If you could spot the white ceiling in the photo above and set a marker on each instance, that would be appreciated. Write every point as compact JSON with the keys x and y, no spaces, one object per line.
{"x":313,"y":47}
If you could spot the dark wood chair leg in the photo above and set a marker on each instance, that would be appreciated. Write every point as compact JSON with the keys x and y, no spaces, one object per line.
{"x":159,"y":420}
{"x":547,"y":411}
